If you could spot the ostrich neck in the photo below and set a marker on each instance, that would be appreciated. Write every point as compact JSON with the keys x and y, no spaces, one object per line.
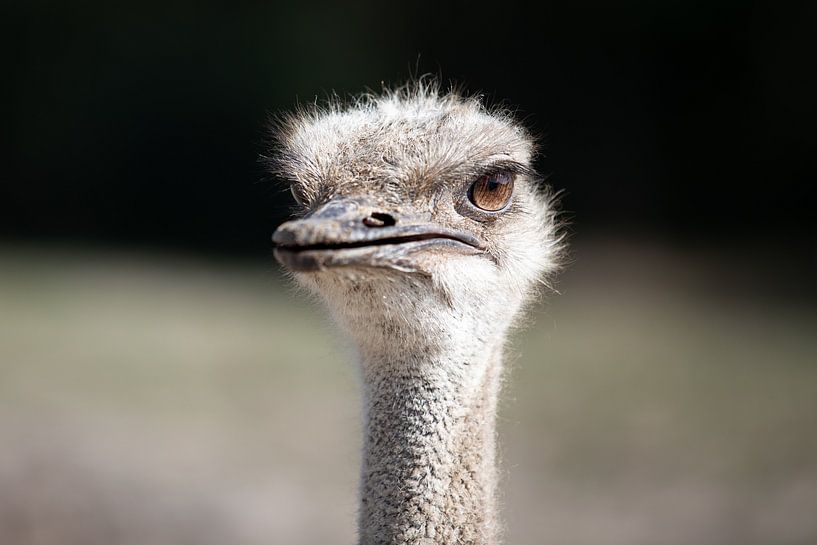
{"x":429,"y":474}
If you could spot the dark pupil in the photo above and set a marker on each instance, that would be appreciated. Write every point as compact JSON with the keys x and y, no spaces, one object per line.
{"x":493,"y":183}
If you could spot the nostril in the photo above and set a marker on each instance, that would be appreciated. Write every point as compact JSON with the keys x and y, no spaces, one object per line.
{"x":378,"y":219}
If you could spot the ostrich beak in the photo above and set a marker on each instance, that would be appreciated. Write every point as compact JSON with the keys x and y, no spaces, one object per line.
{"x":350,"y":233}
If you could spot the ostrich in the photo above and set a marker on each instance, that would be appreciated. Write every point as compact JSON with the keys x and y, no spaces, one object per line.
{"x":423,"y":230}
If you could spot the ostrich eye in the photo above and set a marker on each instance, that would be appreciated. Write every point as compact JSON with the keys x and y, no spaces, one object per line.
{"x":492,"y":192}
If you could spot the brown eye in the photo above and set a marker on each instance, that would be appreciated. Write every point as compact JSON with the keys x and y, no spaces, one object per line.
{"x":492,"y":192}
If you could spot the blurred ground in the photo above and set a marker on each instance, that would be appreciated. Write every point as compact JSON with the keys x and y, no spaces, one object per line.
{"x":145,"y":399}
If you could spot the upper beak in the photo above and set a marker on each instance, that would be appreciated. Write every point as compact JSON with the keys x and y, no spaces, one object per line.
{"x":349,"y":232}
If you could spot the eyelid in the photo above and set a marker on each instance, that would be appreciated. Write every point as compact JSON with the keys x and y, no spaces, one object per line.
{"x":512,"y":167}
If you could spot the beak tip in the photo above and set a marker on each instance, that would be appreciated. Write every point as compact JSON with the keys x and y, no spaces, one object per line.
{"x":283,"y":235}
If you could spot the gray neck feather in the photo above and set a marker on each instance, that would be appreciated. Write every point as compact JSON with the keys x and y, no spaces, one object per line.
{"x":429,"y":474}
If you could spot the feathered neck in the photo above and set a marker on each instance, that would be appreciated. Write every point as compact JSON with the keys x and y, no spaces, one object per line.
{"x":429,"y":466}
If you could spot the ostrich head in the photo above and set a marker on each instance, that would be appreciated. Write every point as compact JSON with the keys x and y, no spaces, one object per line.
{"x":419,"y":213}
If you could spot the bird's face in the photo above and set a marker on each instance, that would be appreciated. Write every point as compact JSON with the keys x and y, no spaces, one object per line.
{"x":411,"y":198}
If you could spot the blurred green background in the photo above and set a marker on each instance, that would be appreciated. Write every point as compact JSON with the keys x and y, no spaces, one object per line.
{"x":160,"y":382}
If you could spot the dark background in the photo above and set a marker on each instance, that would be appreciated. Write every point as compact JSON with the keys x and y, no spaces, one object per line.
{"x":140,"y":124}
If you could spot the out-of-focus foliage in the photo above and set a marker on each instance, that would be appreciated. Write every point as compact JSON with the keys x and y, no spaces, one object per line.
{"x":162,"y":400}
